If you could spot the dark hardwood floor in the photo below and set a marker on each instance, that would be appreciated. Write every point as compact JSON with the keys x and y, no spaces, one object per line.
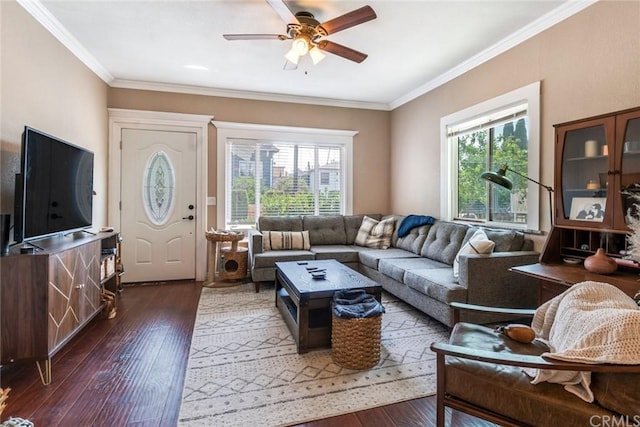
{"x":129,"y":371}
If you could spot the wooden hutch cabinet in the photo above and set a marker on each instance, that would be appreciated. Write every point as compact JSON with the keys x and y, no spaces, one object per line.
{"x":597,"y":167}
{"x":597,"y":161}
{"x":50,"y":294}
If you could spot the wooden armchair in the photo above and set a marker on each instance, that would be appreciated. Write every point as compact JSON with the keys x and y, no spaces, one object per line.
{"x":479,"y":372}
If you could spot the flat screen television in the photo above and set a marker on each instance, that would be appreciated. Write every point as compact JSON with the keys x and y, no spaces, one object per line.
{"x":54,"y":191}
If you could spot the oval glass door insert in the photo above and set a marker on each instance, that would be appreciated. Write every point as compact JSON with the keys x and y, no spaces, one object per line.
{"x":158,"y":188}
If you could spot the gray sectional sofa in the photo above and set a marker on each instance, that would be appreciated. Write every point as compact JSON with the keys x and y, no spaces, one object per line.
{"x":417,"y":268}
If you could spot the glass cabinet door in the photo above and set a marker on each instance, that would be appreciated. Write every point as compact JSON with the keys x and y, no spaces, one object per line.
{"x":584,"y":179}
{"x":629,"y":128}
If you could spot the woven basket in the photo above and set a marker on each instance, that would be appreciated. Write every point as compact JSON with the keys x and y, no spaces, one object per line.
{"x":355,"y":343}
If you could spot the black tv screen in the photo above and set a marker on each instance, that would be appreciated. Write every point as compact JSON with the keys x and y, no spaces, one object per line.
{"x":54,"y":191}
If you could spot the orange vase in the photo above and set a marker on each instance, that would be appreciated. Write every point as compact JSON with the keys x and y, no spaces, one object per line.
{"x":600,"y":263}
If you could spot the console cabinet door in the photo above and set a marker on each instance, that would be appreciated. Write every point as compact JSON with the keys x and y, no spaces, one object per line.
{"x":23,"y":315}
{"x":583,"y":173}
{"x":628,"y":167}
{"x":74,"y":290}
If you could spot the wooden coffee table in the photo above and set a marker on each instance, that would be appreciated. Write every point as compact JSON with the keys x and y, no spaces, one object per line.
{"x":305,"y":302}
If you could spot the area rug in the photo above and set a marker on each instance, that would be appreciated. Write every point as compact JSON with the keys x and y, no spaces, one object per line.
{"x":244,"y":370}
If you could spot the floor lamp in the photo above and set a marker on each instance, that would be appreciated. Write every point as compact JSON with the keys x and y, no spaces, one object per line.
{"x":500,"y":179}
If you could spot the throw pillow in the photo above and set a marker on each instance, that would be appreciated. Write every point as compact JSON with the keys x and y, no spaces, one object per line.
{"x":285,"y":240}
{"x":479,"y":243}
{"x":375,"y":234}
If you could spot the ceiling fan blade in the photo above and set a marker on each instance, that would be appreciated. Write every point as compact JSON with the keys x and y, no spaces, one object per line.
{"x":254,"y":36}
{"x":340,"y":50}
{"x":348,"y":20}
{"x":283,"y":11}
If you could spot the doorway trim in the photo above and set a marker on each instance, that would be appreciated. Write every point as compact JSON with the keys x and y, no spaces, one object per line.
{"x":161,"y":121}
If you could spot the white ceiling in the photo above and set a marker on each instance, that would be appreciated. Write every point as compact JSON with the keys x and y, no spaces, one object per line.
{"x":413,"y":46}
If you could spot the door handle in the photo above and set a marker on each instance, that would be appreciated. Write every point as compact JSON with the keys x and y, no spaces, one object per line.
{"x":190,"y":217}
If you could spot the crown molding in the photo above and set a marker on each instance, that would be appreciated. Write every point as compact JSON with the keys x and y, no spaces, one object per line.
{"x":557,"y":15}
{"x":51,"y":24}
{"x":243,"y":94}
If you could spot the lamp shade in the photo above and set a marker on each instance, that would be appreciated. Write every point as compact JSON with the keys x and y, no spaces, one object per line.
{"x":300,"y":45}
{"x":292,"y":56}
{"x":499,"y":177}
{"x":316,"y":55}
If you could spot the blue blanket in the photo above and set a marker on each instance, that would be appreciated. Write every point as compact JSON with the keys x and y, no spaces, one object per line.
{"x":413,"y":221}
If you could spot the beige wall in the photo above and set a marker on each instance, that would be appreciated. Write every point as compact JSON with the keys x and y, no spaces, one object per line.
{"x":588,"y":64}
{"x":44,"y":86}
{"x":371,"y":150}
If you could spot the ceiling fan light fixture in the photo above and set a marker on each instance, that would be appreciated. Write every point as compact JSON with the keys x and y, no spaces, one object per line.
{"x":292,"y":56}
{"x":300,"y":45}
{"x":316,"y":55}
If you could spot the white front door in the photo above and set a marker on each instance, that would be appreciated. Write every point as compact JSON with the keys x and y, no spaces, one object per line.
{"x":158,"y":211}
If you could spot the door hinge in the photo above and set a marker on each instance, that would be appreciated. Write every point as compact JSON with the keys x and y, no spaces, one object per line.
{"x":120,"y":205}
{"x":121,"y":144}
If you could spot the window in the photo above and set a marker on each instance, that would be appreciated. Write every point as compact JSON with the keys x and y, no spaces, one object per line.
{"x":272,"y":170}
{"x":504,"y":130}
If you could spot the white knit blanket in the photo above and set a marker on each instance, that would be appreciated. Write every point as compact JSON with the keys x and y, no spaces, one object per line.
{"x":591,"y":322}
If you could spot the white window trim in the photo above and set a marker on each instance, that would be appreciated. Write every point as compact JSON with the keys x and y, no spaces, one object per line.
{"x":226,"y":130}
{"x":449,"y":155}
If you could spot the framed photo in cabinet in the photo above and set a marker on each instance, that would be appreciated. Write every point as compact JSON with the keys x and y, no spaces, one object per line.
{"x":588,"y":208}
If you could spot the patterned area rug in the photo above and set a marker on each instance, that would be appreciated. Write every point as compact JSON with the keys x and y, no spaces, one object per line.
{"x":244,"y":369}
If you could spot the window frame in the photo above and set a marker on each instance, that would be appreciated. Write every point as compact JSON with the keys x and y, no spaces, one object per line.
{"x":530,"y":95}
{"x":285,"y":134}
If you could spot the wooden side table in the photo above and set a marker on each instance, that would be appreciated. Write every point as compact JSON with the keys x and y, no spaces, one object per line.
{"x":234,"y":266}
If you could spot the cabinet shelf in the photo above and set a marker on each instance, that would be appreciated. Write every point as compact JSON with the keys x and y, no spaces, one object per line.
{"x":111,"y":262}
{"x":583,"y":158}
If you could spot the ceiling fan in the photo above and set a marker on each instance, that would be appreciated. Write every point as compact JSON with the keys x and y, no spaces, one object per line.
{"x":307,"y":33}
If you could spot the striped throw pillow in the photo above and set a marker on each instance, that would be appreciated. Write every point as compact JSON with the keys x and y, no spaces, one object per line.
{"x":285,"y":240}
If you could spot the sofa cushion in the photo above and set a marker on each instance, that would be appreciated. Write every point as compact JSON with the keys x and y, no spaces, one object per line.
{"x":506,"y":240}
{"x":269,"y":259}
{"x":285,"y":240}
{"x":437,"y":283}
{"x":352,"y":224}
{"x":479,"y":243}
{"x":325,"y":230}
{"x":371,"y":257}
{"x":414,"y":240}
{"x":444,"y":241}
{"x":375,"y":234}
{"x":341,"y":253}
{"x":396,"y":267}
{"x":280,"y":223}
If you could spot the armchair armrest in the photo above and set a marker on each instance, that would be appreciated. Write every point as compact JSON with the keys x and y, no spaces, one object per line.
{"x":527,"y":361}
{"x":515,"y":312}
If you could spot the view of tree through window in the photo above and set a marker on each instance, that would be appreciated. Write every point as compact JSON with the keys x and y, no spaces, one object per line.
{"x":484,"y":150}
{"x":273,"y":178}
